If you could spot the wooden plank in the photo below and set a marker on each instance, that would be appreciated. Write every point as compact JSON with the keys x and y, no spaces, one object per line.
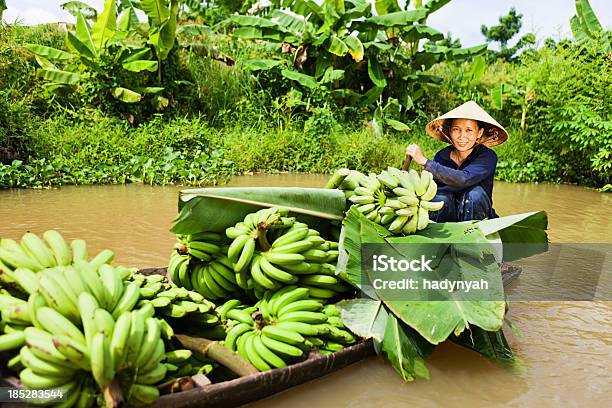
{"x":257,"y":386}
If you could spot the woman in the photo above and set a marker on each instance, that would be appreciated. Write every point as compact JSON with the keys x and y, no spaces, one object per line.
{"x":464,"y":170}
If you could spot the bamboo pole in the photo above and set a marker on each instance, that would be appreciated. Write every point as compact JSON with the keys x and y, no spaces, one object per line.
{"x":219,"y":353}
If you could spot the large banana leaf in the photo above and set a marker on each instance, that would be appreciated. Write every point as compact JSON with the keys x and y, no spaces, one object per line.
{"x":399,"y":18}
{"x":140,"y":65}
{"x":167,"y":34}
{"x":214,"y":209}
{"x":355,"y":47}
{"x":302,"y":79}
{"x":105,"y":26}
{"x":77,"y":45}
{"x":60,"y":77}
{"x":454,"y":316}
{"x":74,"y":7}
{"x":49,"y":52}
{"x":490,"y":344}
{"x":126,"y":95}
{"x":83,"y":34}
{"x":403,"y":347}
{"x":386,"y":6}
{"x":588,"y":18}
{"x":260,"y":64}
{"x":337,"y":46}
{"x":376,"y":73}
{"x":157,"y":10}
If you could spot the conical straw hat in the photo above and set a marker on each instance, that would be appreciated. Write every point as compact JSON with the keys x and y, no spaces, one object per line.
{"x":493,"y":134}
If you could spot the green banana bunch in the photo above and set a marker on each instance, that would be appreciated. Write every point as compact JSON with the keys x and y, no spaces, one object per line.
{"x":36,"y":254}
{"x":182,"y":362}
{"x":172,"y":302}
{"x":286,"y":324}
{"x":396,"y":199}
{"x":202,"y":246}
{"x":216,"y":279}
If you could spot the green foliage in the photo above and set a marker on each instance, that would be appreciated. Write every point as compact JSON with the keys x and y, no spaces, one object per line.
{"x":111,"y":57}
{"x":586,"y":27}
{"x":342,"y":52}
{"x":509,"y":26}
{"x":15,"y":129}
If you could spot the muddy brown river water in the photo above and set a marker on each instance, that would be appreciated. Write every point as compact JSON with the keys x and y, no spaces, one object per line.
{"x":565,"y":350}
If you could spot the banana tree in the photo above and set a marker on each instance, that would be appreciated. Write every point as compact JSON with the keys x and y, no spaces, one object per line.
{"x":368,"y":52}
{"x":107,"y":52}
{"x":586,"y":27}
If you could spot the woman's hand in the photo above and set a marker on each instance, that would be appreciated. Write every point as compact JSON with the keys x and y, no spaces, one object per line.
{"x":414,"y":151}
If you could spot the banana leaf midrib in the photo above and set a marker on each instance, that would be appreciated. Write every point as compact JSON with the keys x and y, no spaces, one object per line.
{"x":260,"y":203}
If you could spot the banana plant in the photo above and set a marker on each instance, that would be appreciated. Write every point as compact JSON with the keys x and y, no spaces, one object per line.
{"x":93,"y":52}
{"x":162,"y":16}
{"x":586,"y":27}
{"x":370,"y":51}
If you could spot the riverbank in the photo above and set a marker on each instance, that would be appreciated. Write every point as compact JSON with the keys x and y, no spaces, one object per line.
{"x":96,"y":149}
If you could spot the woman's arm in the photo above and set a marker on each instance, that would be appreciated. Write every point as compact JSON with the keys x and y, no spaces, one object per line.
{"x":481,"y":168}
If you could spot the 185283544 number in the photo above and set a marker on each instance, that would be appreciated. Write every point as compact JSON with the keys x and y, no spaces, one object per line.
{"x":37,"y":395}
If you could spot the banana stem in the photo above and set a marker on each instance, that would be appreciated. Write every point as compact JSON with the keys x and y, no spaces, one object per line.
{"x":219,"y":353}
{"x":337,"y":178}
{"x":113,"y":395}
{"x":262,"y":239}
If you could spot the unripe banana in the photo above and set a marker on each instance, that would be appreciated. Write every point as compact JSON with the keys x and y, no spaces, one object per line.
{"x":432,"y":205}
{"x":59,"y":247}
{"x":79,"y":250}
{"x":37,"y":249}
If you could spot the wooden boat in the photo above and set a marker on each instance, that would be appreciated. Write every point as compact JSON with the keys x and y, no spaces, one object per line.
{"x":257,"y":386}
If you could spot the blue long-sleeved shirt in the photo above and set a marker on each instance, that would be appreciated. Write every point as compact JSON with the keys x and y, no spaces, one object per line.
{"x":477,"y":169}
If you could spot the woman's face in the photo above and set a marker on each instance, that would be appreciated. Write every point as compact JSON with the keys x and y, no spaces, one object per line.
{"x":464,"y":133}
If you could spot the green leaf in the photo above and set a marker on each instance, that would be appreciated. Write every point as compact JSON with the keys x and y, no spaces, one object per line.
{"x":337,"y":46}
{"x":490,"y":344}
{"x":260,"y":64}
{"x":397,"y":125}
{"x":588,"y":17}
{"x":497,"y":94}
{"x":168,"y":32}
{"x":452,"y":316}
{"x":49,"y":52}
{"x":157,"y":10}
{"x":366,"y":318}
{"x":126,"y":95}
{"x":578,"y":30}
{"x":376,"y":73}
{"x":372,"y":95}
{"x":193,"y":29}
{"x":434,"y":5}
{"x":332,"y":75}
{"x":140,"y":65}
{"x":77,"y":45}
{"x":253,"y":21}
{"x":150,"y":90}
{"x":337,"y":5}
{"x":74,"y":7}
{"x":43,"y":62}
{"x":302,"y":79}
{"x":144,"y":53}
{"x":214,"y":209}
{"x":60,"y":77}
{"x":105,"y":26}
{"x":403,"y":351}
{"x":397,"y":19}
{"x":386,"y":6}
{"x":476,"y":71}
{"x":421,"y":31}
{"x":83,"y":34}
{"x":255,"y":33}
{"x":355,"y":47}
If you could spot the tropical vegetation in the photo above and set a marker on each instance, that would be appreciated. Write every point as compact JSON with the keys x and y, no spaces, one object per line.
{"x":198,"y":91}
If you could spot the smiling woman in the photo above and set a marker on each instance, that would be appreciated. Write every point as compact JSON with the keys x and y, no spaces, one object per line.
{"x":465,"y":170}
